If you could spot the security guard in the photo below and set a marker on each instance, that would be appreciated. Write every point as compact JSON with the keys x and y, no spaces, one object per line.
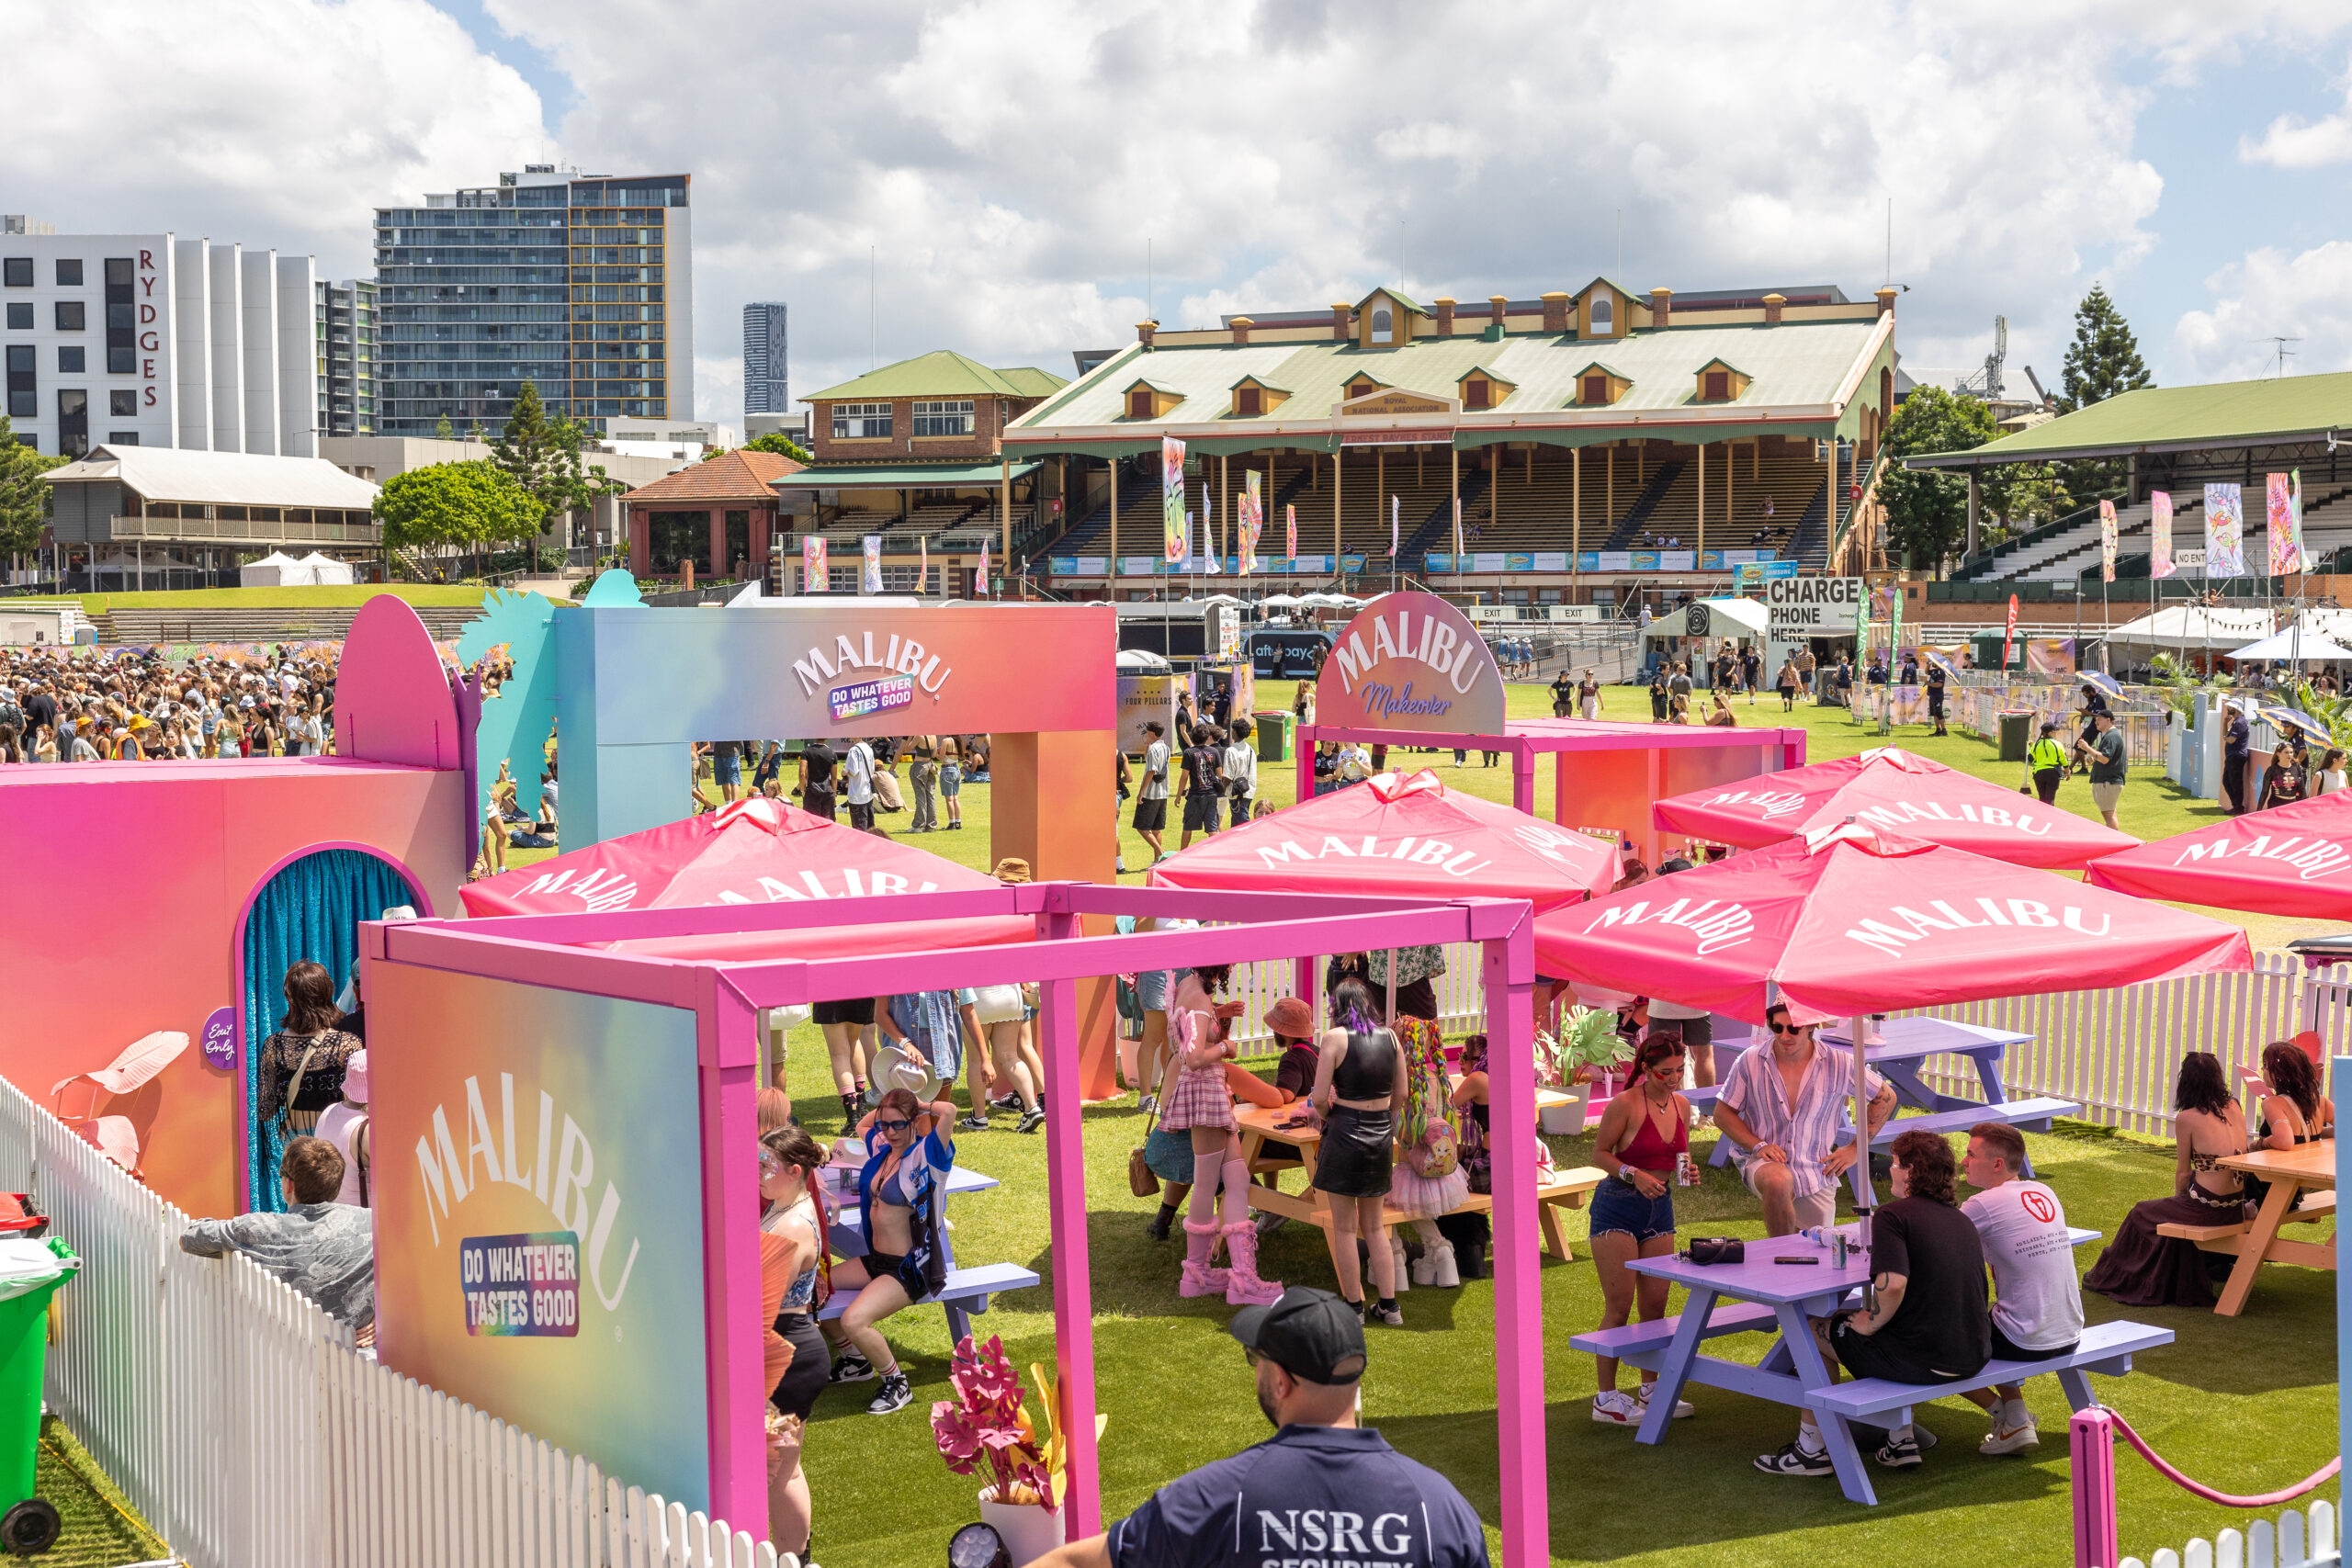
{"x":1321,"y":1493}
{"x":2046,"y":760}
{"x":1935,"y":697}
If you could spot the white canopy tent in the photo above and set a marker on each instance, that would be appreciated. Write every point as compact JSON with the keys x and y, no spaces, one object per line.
{"x":276,"y":570}
{"x":1741,"y":619}
{"x":2303,"y":645}
{"x":2188,"y":628}
{"x":325,"y":571}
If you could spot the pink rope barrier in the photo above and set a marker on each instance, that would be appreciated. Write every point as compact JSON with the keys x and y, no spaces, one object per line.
{"x":2228,"y":1500}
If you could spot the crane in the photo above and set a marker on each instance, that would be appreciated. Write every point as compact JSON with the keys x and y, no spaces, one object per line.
{"x":1986,"y":383}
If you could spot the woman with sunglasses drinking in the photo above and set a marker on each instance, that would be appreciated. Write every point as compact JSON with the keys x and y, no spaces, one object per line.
{"x":1644,"y":1135}
{"x":909,"y":1149}
{"x":794,"y":1283}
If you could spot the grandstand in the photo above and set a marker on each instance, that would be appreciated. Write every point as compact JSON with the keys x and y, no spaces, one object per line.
{"x":1579,"y":421}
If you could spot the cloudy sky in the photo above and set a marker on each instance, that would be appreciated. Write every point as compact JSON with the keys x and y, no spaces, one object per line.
{"x":1008,"y":164}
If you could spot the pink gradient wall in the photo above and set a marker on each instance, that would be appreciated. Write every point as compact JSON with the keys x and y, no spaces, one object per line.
{"x":120,"y":887}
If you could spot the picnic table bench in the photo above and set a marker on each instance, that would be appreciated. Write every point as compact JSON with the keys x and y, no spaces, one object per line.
{"x":966,"y":1290}
{"x":1756,"y":1294}
{"x":2306,"y":1173}
{"x":1261,"y":1123}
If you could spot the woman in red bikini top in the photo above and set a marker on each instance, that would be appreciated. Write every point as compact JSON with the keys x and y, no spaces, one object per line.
{"x":1642,"y":1134}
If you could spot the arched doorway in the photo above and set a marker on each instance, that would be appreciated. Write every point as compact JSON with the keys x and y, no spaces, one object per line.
{"x":309,"y":908}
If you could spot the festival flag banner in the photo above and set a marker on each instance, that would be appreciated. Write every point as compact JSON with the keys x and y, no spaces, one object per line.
{"x":2009,"y":637}
{"x":1253,"y":519}
{"x":1394,"y":509}
{"x":1457,"y":530}
{"x":870,"y":578}
{"x":1290,"y":532}
{"x":981,"y":582}
{"x":2225,"y":531}
{"x":2106,"y":541}
{"x":2305,"y":559}
{"x":812,"y":564}
{"x":922,"y":566}
{"x":2160,"y":564}
{"x":1176,"y":523}
{"x":2284,"y":557}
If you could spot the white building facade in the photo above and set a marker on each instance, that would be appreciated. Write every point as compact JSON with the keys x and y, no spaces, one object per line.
{"x":149,"y":340}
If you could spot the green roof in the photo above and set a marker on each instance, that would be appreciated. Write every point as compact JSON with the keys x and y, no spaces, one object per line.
{"x":1488,"y":371}
{"x":1608,"y":369}
{"x":2174,"y":419}
{"x":1155,"y":385}
{"x":1416,"y":309}
{"x":941,"y":373}
{"x":900,"y":475}
{"x":1636,"y":294}
{"x":1725,"y":363}
{"x":1260,"y":381}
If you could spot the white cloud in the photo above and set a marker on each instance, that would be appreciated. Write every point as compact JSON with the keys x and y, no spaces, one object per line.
{"x":2294,"y":143}
{"x":2273,"y":294}
{"x":270,"y":123}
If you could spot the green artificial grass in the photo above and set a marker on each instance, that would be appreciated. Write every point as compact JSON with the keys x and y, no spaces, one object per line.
{"x":2246,"y":1404}
{"x":100,"y":1529}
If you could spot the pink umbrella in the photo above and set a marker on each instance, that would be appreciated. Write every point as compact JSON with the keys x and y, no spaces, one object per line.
{"x":753,"y":851}
{"x":1851,"y":921}
{"x":1891,"y":788}
{"x":2291,"y":860}
{"x":1398,"y":834}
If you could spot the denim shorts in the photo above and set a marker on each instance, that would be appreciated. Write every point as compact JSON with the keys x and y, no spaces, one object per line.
{"x":1617,"y":1207}
{"x":951,"y":780}
{"x":1151,"y":990}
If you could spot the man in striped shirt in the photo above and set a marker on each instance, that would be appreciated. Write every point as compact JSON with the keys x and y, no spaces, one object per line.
{"x":1778,"y":1107}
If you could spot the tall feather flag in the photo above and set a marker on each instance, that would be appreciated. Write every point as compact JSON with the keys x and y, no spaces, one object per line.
{"x":1394,"y":508}
{"x":2160,"y":564}
{"x":870,"y":568}
{"x":1175,"y":523}
{"x":2295,"y":515}
{"x":1457,"y":533}
{"x":923,"y":565}
{"x":983,"y":578}
{"x":1209,"y":545}
{"x":1253,"y":520}
{"x":2225,"y":531}
{"x":2284,"y":557}
{"x":813,"y":576}
{"x":1290,"y":531}
{"x":2106,"y":541}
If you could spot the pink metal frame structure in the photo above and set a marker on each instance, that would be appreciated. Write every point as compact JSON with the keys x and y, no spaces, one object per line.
{"x":1525,"y":740}
{"x":552,"y":951}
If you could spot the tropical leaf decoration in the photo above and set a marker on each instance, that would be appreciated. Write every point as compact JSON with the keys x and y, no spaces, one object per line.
{"x":510,"y":649}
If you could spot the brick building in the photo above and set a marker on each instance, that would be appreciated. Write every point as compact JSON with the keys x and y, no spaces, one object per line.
{"x":721,"y":514}
{"x":913,"y":452}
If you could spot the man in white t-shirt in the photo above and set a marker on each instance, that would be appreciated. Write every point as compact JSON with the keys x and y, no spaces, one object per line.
{"x":857,"y":772}
{"x":2038,"y":1298}
{"x":1241,"y":772}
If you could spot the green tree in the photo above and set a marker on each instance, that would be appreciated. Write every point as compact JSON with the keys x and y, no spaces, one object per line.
{"x":441,"y":431}
{"x":2026,"y":495}
{"x":542,"y":455}
{"x":464,"y":506}
{"x":2104,"y":358}
{"x":777,"y":441}
{"x":23,"y":494}
{"x":1927,"y":509}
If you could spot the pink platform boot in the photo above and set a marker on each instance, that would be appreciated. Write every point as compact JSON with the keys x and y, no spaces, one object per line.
{"x":1245,"y":1289}
{"x":1199,"y":1279}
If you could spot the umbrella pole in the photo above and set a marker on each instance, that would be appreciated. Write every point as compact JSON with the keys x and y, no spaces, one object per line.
{"x":1862,"y":1173}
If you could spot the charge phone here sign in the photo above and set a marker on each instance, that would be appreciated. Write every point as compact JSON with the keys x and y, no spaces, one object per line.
{"x":527,"y":1284}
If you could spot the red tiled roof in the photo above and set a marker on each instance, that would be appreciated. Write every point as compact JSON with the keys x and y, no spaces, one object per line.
{"x":735,"y":475}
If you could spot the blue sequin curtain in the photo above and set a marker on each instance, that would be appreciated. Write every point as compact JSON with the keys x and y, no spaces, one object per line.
{"x":311,"y":910}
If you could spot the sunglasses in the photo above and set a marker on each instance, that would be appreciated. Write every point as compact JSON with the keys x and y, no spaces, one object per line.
{"x":898,"y":1125}
{"x":1791,"y":1028}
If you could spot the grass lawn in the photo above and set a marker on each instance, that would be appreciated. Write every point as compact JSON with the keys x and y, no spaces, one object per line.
{"x":336,"y":597}
{"x":2245,"y":1404}
{"x":100,"y":1528}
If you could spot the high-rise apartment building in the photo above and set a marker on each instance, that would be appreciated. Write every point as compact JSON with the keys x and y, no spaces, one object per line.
{"x":149,"y":340}
{"x":346,"y":336}
{"x":581,"y":284}
{"x":765,"y":388}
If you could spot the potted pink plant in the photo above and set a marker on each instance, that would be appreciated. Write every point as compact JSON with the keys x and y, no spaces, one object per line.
{"x":987,"y":1424}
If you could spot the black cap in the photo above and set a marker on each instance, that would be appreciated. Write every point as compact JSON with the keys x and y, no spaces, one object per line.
{"x":1308,"y":1333}
{"x":1667,"y":868}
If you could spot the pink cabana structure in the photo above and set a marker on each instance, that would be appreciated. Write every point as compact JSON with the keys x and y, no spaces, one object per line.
{"x":1911,"y":794}
{"x":2291,"y":860}
{"x":751,"y":851}
{"x":564,"y":1093}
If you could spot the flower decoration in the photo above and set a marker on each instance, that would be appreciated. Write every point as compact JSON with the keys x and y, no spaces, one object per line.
{"x":986,"y":1422}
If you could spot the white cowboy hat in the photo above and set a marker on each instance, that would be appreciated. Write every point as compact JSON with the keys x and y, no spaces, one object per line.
{"x":899,"y":1066}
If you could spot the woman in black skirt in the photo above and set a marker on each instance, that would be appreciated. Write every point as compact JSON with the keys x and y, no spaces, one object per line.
{"x":793,"y":1277}
{"x":2140,"y":1268}
{"x":1360,"y":1084}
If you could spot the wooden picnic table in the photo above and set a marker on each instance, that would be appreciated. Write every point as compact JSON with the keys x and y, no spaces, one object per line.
{"x":1261,"y":1123}
{"x":2309,"y":1167}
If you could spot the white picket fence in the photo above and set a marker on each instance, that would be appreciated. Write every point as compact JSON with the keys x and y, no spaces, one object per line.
{"x":2295,"y":1543}
{"x":245,"y":1427}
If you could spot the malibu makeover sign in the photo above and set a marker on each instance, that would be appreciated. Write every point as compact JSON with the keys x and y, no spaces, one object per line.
{"x":1411,"y":661}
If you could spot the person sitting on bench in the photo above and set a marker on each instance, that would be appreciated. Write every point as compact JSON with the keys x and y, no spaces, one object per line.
{"x":2143,"y":1266}
{"x":2038,"y":1300}
{"x":1778,"y":1107}
{"x":1929,"y":1323}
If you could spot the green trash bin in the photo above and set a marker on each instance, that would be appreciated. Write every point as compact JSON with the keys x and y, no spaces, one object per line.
{"x":2017,"y":734}
{"x":28,"y":1525}
{"x":1273,"y":736}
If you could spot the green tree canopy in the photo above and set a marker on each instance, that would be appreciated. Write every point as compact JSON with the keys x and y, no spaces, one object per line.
{"x":542,"y":455}
{"x":2104,"y":358}
{"x":441,"y":431}
{"x":25,"y":496}
{"x":777,"y":441}
{"x":1927,"y":511}
{"x":456,"y":505}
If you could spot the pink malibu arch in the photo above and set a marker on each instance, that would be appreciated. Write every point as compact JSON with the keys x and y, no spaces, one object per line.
{"x":563,"y":953}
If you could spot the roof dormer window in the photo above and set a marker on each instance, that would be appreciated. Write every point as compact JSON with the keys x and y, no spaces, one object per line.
{"x":1139,"y":403}
{"x":1478,"y":393}
{"x":1359,"y":385}
{"x":1602,"y":320}
{"x":1383,"y":324}
{"x":1249,"y":402}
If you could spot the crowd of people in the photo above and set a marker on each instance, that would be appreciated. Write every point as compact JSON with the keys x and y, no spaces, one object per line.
{"x":81,"y":704}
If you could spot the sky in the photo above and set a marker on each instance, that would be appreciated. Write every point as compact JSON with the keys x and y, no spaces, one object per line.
{"x":1016,"y":179}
